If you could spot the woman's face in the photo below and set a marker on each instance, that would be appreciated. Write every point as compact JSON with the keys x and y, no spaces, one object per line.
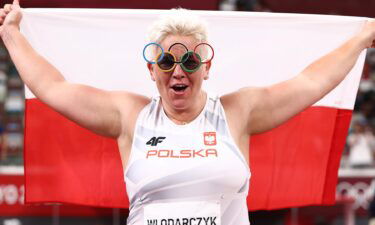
{"x":178,"y":88}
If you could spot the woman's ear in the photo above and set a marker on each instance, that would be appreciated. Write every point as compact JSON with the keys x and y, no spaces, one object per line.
{"x":208,"y":66}
{"x":151,"y":69}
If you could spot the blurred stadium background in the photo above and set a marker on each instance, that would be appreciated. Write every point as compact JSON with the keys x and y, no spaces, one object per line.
{"x":356,"y":186}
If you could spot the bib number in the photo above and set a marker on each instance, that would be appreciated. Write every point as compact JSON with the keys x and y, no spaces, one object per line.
{"x":182,"y":213}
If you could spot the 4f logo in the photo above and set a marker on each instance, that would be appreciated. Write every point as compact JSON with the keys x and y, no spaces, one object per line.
{"x":155,"y":140}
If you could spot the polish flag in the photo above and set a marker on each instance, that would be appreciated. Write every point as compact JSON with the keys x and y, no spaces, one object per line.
{"x":293,"y":165}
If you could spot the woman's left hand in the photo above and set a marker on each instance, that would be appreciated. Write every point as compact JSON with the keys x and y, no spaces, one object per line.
{"x":367,"y":34}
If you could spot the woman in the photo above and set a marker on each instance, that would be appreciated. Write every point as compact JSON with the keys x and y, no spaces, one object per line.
{"x":171,"y":179}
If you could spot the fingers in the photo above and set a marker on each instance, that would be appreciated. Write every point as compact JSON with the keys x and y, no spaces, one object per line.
{"x":7,"y":8}
{"x":371,"y":25}
{"x":16,"y":4}
{"x":2,"y":16}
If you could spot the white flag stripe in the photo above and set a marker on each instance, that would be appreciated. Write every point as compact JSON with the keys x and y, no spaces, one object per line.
{"x":103,"y":47}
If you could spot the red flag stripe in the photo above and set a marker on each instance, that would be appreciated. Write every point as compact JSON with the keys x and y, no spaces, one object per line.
{"x":293,"y":165}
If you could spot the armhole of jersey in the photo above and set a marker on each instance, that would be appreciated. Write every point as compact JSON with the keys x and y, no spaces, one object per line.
{"x":139,"y":118}
{"x":230,"y":134}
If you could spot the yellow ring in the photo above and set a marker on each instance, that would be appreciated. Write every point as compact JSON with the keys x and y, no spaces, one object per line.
{"x":174,"y":59}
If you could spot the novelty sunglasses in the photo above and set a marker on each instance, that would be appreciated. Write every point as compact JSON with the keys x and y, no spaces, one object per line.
{"x":190,"y":61}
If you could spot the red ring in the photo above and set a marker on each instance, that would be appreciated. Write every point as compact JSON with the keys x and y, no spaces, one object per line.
{"x":213,"y":52}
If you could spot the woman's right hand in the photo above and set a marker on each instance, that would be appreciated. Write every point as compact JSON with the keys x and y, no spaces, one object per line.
{"x":10,"y":15}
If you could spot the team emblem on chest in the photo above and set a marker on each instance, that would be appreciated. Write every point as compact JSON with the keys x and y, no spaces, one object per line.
{"x":209,"y":138}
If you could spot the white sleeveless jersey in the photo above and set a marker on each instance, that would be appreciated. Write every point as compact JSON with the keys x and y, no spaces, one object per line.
{"x":191,"y":174}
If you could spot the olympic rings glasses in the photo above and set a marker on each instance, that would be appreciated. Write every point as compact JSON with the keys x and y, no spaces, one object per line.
{"x":190,"y":62}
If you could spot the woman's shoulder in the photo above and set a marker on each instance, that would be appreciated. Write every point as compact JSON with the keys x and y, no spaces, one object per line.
{"x":130,"y":101}
{"x":130,"y":105}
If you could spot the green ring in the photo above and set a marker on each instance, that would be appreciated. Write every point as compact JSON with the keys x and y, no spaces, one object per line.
{"x":186,"y":69}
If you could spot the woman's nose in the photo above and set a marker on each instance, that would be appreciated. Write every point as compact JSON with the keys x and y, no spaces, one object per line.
{"x":178,"y":72}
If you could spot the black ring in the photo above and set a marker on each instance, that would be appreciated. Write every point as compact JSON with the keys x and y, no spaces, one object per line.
{"x":178,"y":43}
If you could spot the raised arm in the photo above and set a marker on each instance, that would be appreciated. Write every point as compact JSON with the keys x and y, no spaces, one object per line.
{"x":266,"y":108}
{"x":100,"y":111}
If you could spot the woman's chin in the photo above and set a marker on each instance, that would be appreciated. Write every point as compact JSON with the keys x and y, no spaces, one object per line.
{"x":179,"y":104}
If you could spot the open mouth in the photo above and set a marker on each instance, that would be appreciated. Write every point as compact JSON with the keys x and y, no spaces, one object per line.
{"x":179,"y":87}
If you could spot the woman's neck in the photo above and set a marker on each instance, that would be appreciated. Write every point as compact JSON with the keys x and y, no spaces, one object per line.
{"x":185,"y":116}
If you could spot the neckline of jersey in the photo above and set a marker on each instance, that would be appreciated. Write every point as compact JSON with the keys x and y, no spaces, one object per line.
{"x":171,"y":123}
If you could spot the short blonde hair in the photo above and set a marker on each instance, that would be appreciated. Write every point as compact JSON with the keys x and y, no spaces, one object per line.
{"x":179,"y":22}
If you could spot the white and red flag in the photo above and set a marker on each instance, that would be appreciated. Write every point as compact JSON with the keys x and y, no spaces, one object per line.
{"x":295,"y":164}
